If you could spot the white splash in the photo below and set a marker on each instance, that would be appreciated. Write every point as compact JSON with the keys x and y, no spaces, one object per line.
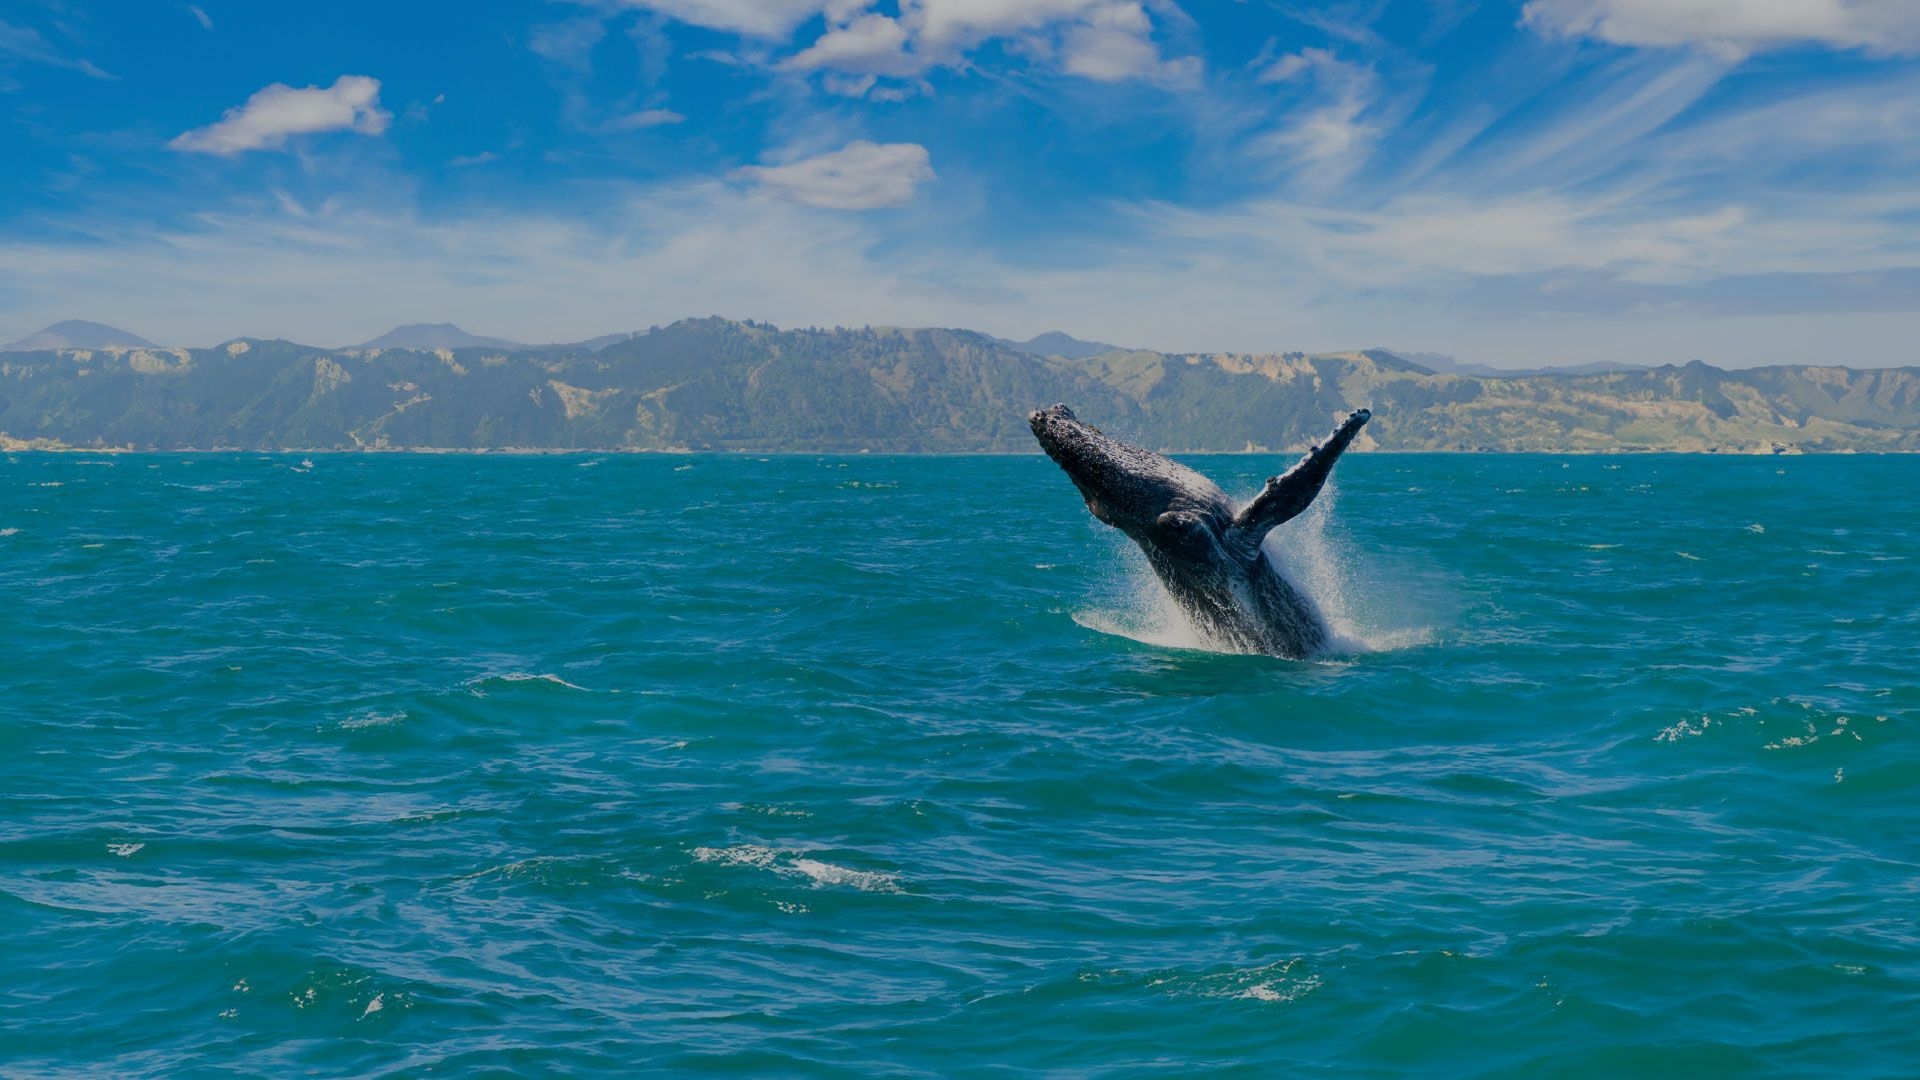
{"x":124,"y":850}
{"x":1135,"y":605}
{"x":1307,"y":551}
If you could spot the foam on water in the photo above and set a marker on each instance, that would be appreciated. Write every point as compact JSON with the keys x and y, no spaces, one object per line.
{"x":795,"y":863}
{"x":478,"y":683}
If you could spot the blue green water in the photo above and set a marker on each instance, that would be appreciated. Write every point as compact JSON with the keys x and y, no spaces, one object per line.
{"x":465,"y":766}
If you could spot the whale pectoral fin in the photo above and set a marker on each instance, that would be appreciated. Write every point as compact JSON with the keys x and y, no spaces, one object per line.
{"x":1288,"y":495}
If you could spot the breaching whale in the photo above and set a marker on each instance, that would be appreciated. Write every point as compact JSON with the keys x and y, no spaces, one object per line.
{"x":1205,"y":549}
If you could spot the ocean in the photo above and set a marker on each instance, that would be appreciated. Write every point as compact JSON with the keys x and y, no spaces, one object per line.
{"x":898,"y":766}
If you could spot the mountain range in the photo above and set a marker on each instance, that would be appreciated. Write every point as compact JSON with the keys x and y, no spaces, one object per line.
{"x":721,"y":384}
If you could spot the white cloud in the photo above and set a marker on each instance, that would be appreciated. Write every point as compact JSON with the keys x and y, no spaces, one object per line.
{"x":201,"y":17}
{"x":1332,"y":128}
{"x":1734,"y":27}
{"x":26,"y":43}
{"x":645,"y":118}
{"x":870,"y":44}
{"x":957,"y":24}
{"x":859,"y":176}
{"x":1326,"y":134}
{"x":1114,"y":43}
{"x":1104,"y":40}
{"x":1291,"y":66}
{"x":569,"y":44}
{"x":1259,"y":276}
{"x":754,"y":18}
{"x":273,"y":114}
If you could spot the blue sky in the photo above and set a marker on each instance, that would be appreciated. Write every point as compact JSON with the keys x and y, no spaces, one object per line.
{"x":1510,"y":182}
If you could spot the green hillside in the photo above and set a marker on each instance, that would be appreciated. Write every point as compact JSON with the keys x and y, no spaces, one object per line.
{"x":723,"y":385}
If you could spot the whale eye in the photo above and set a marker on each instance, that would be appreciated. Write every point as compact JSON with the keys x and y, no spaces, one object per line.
{"x":1184,"y":525}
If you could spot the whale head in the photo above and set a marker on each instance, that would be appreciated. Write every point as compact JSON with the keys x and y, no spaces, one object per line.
{"x":1144,"y":494}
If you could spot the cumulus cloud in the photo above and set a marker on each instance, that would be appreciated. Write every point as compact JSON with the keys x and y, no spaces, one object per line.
{"x":1105,"y":40}
{"x":1734,"y":27}
{"x":859,"y":176}
{"x":1114,"y":43}
{"x":279,"y":111}
{"x":870,"y":44}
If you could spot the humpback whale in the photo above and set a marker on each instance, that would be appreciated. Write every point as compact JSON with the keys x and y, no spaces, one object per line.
{"x":1205,"y":548}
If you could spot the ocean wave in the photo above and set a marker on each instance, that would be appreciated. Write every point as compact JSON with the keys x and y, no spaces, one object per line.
{"x":512,"y":677}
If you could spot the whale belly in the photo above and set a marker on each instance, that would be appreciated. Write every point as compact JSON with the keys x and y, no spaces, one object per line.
{"x":1253,"y":609}
{"x":1288,"y":620}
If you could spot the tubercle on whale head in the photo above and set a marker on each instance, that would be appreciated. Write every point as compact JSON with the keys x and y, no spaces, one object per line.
{"x":1065,"y":437}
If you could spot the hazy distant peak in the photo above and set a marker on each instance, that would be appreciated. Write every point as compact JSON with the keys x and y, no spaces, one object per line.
{"x":1443,"y":364}
{"x":1395,"y":361}
{"x":434,"y":336}
{"x":1060,"y":343}
{"x":80,"y":334}
{"x":595,"y":344}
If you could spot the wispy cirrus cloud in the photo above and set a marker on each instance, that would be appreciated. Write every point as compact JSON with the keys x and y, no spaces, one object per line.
{"x":25,"y":44}
{"x":274,"y":114}
{"x":859,"y":176}
{"x":1521,"y":280}
{"x":1734,"y":27}
{"x":1331,"y":126}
